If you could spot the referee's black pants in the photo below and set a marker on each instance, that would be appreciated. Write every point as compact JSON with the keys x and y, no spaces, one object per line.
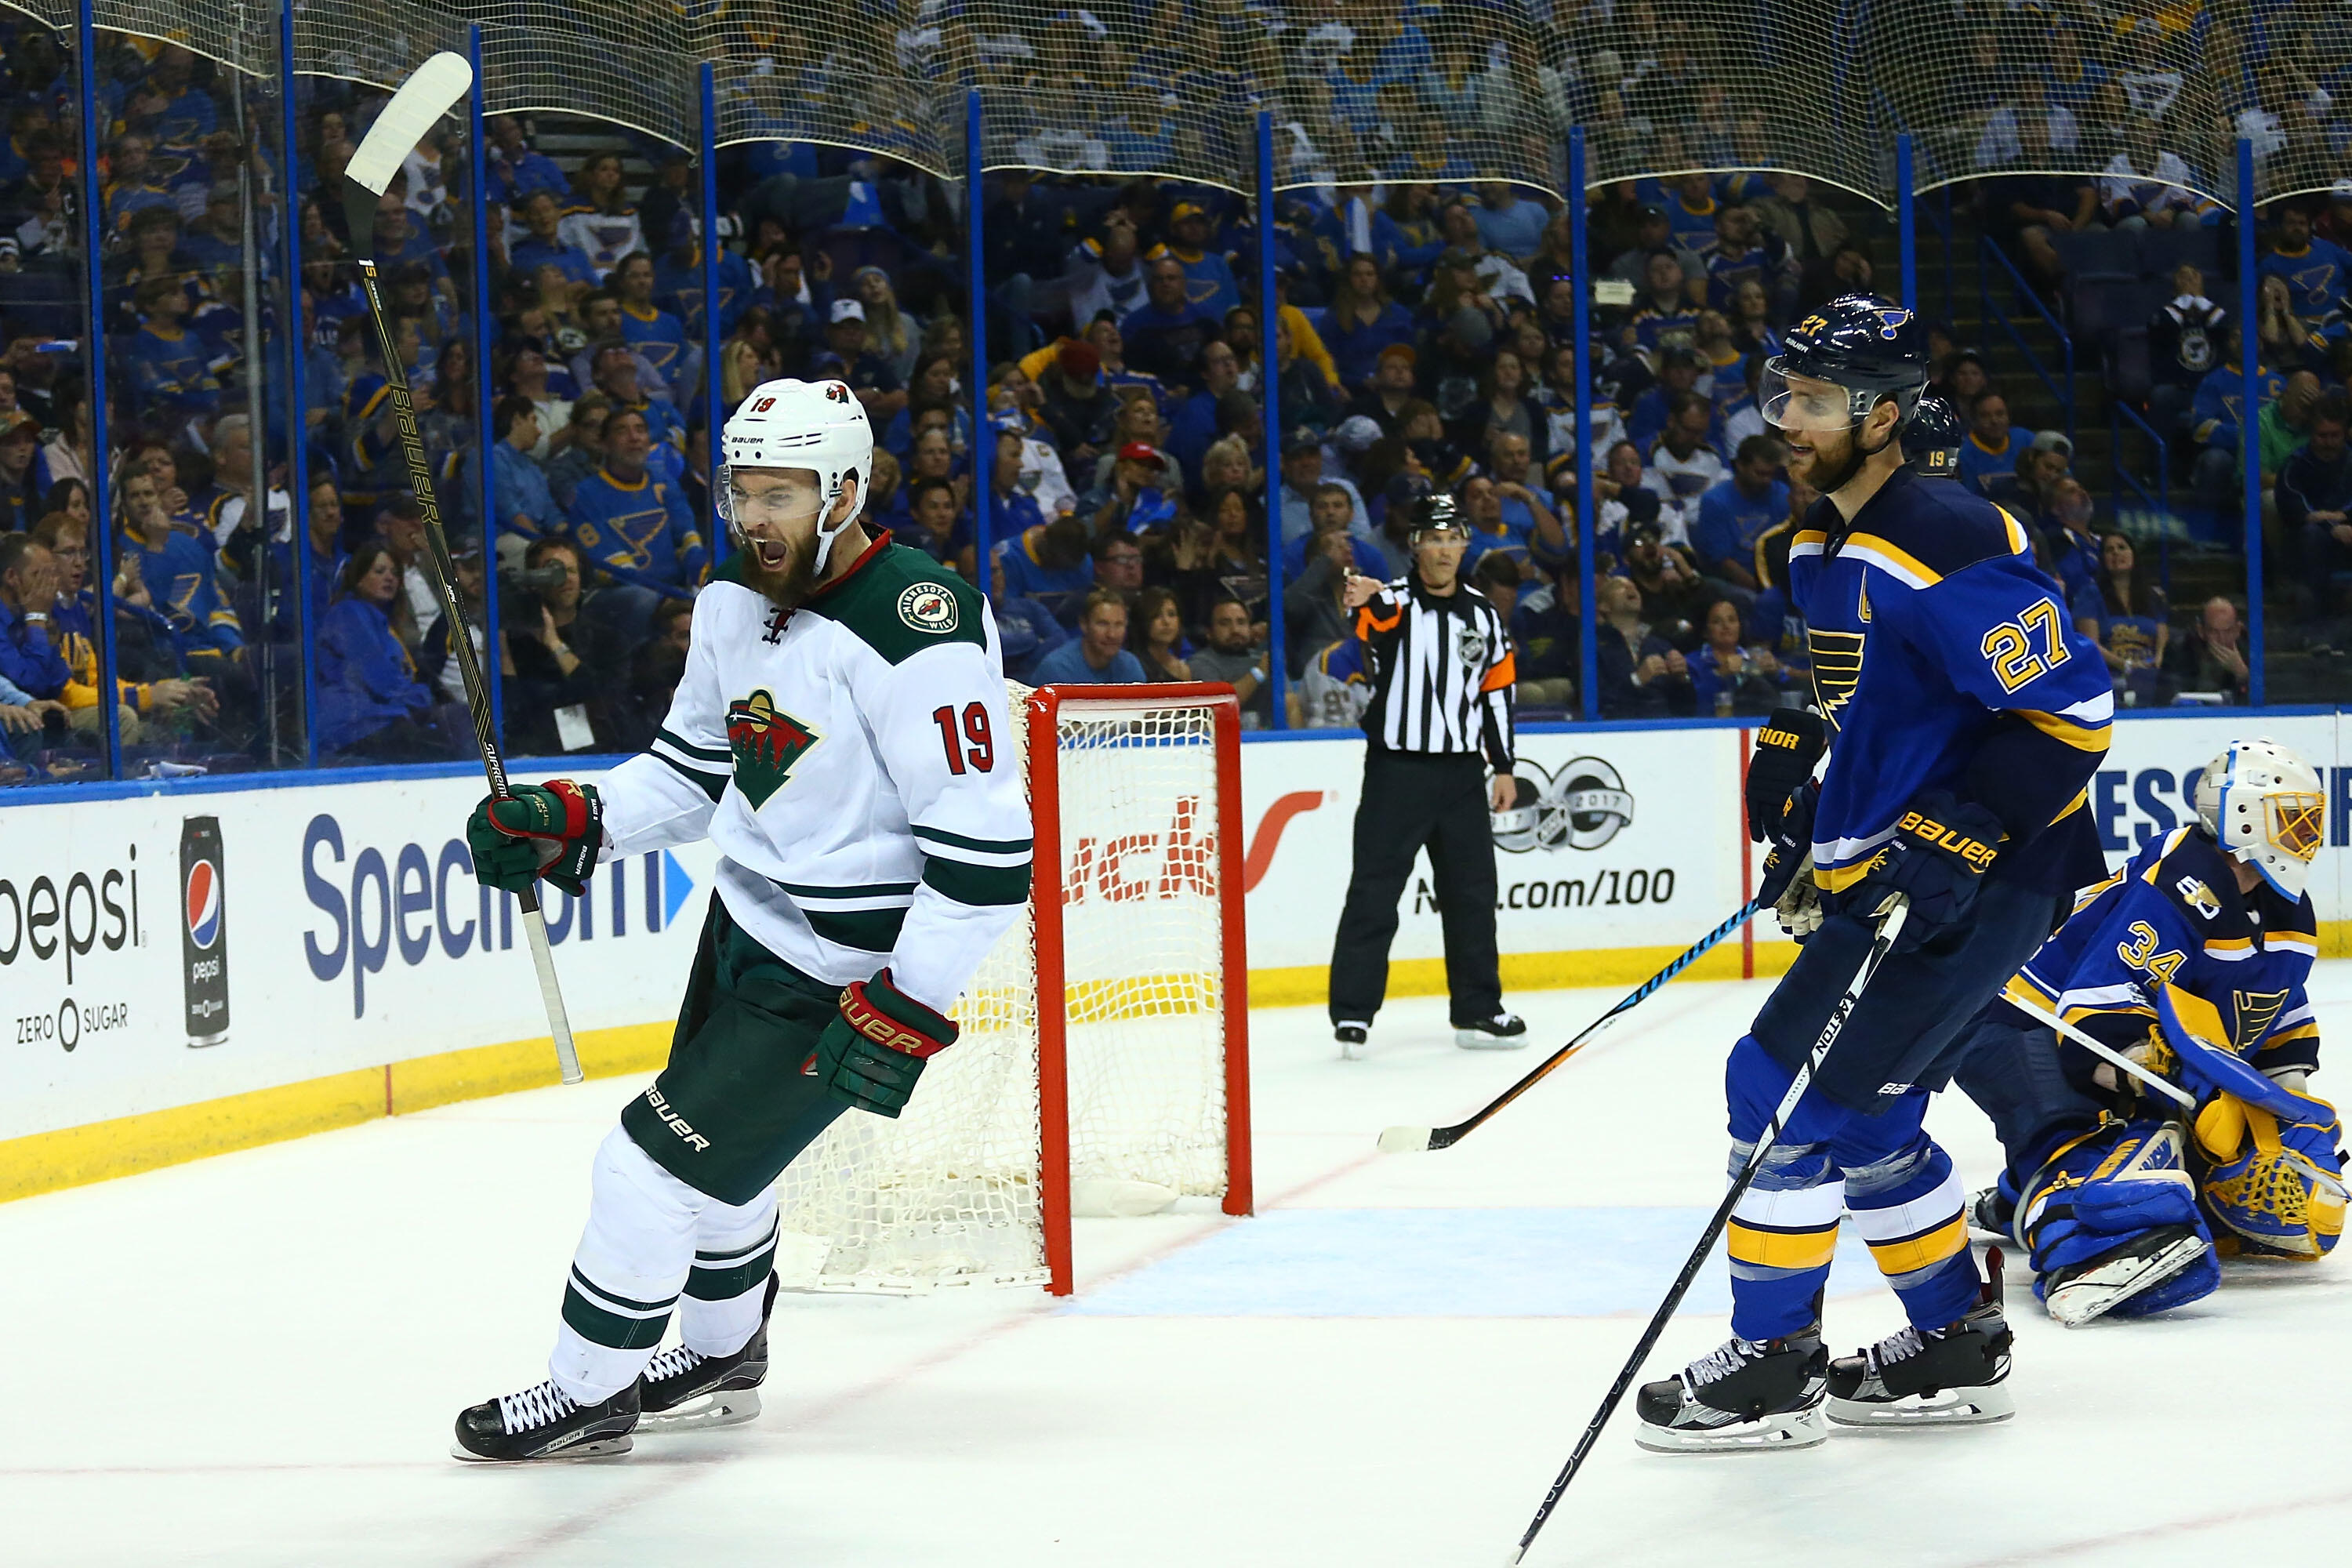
{"x":1412,"y":799}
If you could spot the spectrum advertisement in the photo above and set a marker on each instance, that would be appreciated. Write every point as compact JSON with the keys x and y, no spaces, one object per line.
{"x":163,"y":950}
{"x":176,"y":947}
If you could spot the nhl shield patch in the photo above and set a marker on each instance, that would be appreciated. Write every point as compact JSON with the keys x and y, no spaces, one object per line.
{"x":767,"y":742}
{"x":928,"y":607}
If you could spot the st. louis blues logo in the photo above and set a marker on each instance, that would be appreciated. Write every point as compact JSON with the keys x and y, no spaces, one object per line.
{"x":766,"y":742}
{"x":203,"y":899}
{"x":1891,"y":320}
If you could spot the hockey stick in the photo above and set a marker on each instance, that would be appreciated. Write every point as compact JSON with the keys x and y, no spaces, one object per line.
{"x":422,"y":100}
{"x":1413,"y":1140}
{"x":1888,"y":930}
{"x":2171,"y":1091}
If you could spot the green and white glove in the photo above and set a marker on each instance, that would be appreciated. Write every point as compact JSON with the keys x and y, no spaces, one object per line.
{"x":552,"y":830}
{"x":871,"y":1055}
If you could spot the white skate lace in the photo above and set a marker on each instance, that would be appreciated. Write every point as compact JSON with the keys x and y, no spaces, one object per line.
{"x":1895,"y":1347}
{"x":672,"y":1361}
{"x":539,"y":1406}
{"x":1720,"y":1364}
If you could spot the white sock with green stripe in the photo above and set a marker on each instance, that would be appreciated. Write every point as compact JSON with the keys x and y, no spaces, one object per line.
{"x":629,"y":1273}
{"x":734,"y":1253}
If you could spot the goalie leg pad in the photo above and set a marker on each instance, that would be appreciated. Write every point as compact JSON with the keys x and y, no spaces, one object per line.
{"x":2112,"y":1224}
{"x":2272,"y":1187}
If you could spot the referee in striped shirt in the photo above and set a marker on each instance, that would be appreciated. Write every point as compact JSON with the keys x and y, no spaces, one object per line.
{"x":1441,"y":710}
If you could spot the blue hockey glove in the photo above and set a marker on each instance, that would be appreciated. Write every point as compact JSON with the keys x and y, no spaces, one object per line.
{"x":1791,"y":834}
{"x":1939,"y":854}
{"x":1786,"y":751}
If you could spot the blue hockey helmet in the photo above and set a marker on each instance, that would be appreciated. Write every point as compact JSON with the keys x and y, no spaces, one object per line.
{"x":1931,"y":438}
{"x":1870,"y":348}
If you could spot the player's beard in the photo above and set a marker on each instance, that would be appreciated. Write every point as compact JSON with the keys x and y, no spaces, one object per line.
{"x":1828,"y":475}
{"x":786,"y":586}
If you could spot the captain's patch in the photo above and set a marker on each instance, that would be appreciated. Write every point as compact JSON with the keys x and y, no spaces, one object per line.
{"x":928,"y":607}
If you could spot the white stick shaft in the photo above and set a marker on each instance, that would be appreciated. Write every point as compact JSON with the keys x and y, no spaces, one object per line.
{"x":2104,"y":1053}
{"x":542,"y":959}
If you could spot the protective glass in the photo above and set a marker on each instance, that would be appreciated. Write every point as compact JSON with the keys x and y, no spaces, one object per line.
{"x":1805,"y":404}
{"x":2296,"y":824}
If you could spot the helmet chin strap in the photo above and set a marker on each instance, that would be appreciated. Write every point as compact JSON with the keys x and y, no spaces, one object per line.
{"x":825,"y":536}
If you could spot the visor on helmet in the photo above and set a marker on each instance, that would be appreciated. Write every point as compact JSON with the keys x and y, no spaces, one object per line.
{"x":1805,"y":403}
{"x":771,"y":506}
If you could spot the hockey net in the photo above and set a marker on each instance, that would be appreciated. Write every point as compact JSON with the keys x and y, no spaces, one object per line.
{"x":1102,"y":1067}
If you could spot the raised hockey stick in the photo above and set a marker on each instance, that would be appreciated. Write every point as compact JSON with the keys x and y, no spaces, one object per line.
{"x":422,"y":100}
{"x":2122,"y":1063}
{"x":1888,"y":930}
{"x":1413,"y":1140}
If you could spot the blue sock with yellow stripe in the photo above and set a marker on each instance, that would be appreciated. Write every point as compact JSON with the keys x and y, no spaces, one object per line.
{"x":1908,"y":1207}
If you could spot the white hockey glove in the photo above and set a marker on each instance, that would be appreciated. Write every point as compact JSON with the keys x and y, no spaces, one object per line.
{"x":1800,"y":909}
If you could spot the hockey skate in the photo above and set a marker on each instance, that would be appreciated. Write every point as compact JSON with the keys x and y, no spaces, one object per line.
{"x":1503,"y":1032}
{"x":685,"y":1390}
{"x":1751,"y":1396}
{"x":544,"y":1422}
{"x":1951,"y":1376}
{"x":1355,"y":1040}
{"x":1991,"y":1214}
{"x":2084,"y":1291}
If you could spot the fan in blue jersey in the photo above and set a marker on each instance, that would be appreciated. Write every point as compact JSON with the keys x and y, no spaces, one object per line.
{"x":1965,"y":717}
{"x":2123,"y":1208}
{"x":635,"y":525}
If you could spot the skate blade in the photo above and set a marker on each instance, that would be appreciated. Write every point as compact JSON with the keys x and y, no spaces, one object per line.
{"x":1770,"y":1433}
{"x":1472,"y":1040}
{"x":595,"y":1449}
{"x":1351,"y":1052}
{"x":1950,"y":1408}
{"x":2093,"y":1296}
{"x":727,"y":1407}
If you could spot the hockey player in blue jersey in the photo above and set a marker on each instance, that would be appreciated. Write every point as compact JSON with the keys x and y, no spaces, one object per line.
{"x":1967,"y":717}
{"x":2121,"y":1205}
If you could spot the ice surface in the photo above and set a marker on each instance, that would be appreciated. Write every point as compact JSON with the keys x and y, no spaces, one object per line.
{"x":256,"y":1359}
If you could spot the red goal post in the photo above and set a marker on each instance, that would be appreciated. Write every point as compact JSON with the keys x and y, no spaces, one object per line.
{"x":1079,"y":871}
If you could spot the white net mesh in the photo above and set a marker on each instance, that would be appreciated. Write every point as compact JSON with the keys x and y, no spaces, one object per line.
{"x":1142,"y":939}
{"x":950,"y":1193}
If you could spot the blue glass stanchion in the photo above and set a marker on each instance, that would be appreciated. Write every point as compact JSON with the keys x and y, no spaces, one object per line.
{"x":984,"y":435}
{"x":1907,"y":221}
{"x":1587,"y":651}
{"x":2249,"y":443}
{"x":487,"y":488}
{"x":714,"y":393}
{"x":298,"y":382}
{"x":1268,"y":309}
{"x":100,"y":488}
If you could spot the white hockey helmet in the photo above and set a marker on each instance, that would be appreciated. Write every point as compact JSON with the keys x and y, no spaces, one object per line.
{"x":2265,"y":806}
{"x":818,"y":425}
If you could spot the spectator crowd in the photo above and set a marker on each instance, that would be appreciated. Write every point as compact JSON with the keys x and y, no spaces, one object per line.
{"x":1424,"y":340}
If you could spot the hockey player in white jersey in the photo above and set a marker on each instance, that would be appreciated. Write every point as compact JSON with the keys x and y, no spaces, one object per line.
{"x":841,"y":735}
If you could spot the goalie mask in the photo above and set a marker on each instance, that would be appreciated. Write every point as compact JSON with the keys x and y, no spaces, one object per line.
{"x":816,"y":427}
{"x":2264,"y":805}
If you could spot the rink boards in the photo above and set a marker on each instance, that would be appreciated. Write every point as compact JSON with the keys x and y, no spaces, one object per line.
{"x":362,"y":973}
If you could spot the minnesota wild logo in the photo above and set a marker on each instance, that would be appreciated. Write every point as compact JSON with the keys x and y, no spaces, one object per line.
{"x":766,"y":742}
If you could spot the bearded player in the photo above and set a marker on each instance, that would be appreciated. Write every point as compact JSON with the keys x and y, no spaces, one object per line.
{"x":1968,"y":715}
{"x":841,"y":735}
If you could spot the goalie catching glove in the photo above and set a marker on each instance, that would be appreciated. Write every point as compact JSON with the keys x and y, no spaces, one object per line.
{"x":872,"y":1054}
{"x":552,"y":830}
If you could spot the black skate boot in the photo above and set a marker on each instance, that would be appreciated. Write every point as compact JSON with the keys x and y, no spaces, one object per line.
{"x":1951,"y":1376}
{"x":1503,"y":1032}
{"x":685,"y":1389}
{"x":1990,"y":1214}
{"x":544,"y":1422}
{"x":1354,"y":1040}
{"x":1749,"y":1397}
{"x":2083,"y":1292}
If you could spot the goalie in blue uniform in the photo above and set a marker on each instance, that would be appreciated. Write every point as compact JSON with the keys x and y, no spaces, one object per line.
{"x":1968,"y":717}
{"x":2192,"y":962}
